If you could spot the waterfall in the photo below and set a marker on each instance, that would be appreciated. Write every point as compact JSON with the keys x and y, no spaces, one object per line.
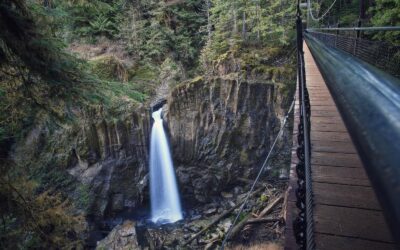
{"x":165,"y":203}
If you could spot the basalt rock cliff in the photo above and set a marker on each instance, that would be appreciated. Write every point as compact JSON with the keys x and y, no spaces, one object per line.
{"x":99,"y":163}
{"x":221,"y":130}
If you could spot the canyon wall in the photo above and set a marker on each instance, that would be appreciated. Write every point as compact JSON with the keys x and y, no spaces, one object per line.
{"x":222,"y":130}
{"x":100,"y":163}
{"x":112,"y":161}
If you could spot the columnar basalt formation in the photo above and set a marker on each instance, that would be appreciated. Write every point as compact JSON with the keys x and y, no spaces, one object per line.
{"x":112,"y":161}
{"x":220,"y":130}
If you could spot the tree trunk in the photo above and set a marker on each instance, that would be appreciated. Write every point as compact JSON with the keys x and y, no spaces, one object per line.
{"x":208,"y":20}
{"x":258,"y":21}
{"x":363,"y":9}
{"x":244,"y":26}
{"x":234,"y":22}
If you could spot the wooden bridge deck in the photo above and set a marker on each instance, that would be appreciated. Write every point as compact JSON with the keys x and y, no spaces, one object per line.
{"x":347,"y":214}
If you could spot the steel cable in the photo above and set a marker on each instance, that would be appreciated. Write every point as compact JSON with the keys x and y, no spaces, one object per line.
{"x":323,"y":15}
{"x":258,"y":175}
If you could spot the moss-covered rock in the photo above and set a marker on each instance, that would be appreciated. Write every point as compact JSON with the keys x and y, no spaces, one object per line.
{"x":109,"y":67}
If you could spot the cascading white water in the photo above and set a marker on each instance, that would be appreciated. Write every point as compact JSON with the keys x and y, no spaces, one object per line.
{"x":165,"y":203}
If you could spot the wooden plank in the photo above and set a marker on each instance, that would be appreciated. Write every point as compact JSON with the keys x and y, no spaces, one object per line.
{"x":351,"y":222}
{"x":290,"y":242}
{"x":316,"y":84}
{"x":321,"y":102}
{"x":341,"y":175}
{"x":336,"y":159}
{"x":318,"y":87}
{"x":324,"y":127}
{"x":323,"y":107}
{"x":319,"y":113}
{"x":319,"y":92}
{"x":345,"y":195}
{"x":333,"y":147}
{"x":329,"y":171}
{"x":330,"y":136}
{"x":332,"y":242}
{"x":342,"y":180}
{"x":312,"y":78}
{"x":321,"y":95}
{"x":346,"y":210}
{"x":335,"y":120}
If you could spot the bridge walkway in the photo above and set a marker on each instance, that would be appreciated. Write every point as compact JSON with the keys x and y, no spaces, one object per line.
{"x":347,"y":214}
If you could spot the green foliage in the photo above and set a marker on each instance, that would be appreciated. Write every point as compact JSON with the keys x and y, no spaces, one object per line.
{"x":144,"y":72}
{"x":24,"y":42}
{"x":34,"y":220}
{"x":109,"y":68}
{"x":347,"y":14}
{"x":84,"y":196}
{"x":386,"y":13}
{"x":36,"y":74}
{"x":241,"y":25}
{"x":102,"y":26}
{"x":44,"y":87}
{"x":163,"y":29}
{"x":90,"y":19}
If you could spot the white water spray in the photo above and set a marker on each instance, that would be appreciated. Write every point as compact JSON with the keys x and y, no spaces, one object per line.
{"x":165,"y":203}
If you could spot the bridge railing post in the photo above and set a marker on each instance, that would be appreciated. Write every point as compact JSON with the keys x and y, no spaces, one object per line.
{"x":358,"y":34}
{"x":337,"y":34}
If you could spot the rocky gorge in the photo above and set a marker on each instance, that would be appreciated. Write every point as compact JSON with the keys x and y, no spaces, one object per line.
{"x":220,"y":131}
{"x":79,"y":82}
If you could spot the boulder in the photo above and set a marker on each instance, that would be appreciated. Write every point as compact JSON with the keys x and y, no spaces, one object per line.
{"x":122,"y":237}
{"x":117,"y":204}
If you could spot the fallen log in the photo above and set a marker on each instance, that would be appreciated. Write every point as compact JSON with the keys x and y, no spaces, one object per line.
{"x":285,"y":204}
{"x":264,"y":212}
{"x":270,"y":207}
{"x":239,"y":226}
{"x":247,"y":181}
{"x":262,"y":220}
{"x":220,"y":217}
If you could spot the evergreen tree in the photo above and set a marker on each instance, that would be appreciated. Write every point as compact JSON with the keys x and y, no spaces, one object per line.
{"x":386,"y":13}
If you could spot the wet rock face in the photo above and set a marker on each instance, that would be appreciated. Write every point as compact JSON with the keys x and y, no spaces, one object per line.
{"x":111,"y":159}
{"x":106,"y":159}
{"x":221,"y":130}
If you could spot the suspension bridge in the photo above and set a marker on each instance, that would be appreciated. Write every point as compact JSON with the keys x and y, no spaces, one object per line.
{"x":344,"y":188}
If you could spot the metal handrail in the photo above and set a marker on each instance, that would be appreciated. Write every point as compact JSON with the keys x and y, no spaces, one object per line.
{"x":369,"y":102}
{"x":381,"y":54}
{"x":304,"y":223}
{"x":383,"y":28}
